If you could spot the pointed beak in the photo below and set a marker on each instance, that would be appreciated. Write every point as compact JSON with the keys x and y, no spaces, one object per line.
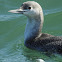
{"x":20,"y":11}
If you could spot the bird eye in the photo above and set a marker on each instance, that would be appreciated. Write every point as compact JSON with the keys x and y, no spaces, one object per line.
{"x":29,"y":7}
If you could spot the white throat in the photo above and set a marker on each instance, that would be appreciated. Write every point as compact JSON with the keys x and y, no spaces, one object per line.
{"x":32,"y":28}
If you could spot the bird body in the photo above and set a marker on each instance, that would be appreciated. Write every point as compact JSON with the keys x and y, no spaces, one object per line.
{"x":34,"y":38}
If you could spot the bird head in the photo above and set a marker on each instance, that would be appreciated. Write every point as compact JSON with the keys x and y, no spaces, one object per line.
{"x":29,"y":8}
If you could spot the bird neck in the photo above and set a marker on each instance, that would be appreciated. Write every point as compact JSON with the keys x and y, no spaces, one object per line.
{"x":33,"y":27}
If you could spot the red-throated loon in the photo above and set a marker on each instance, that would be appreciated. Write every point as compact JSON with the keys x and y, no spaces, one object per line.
{"x":34,"y":39}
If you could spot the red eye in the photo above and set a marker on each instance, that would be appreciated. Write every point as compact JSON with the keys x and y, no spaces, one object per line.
{"x":29,"y":7}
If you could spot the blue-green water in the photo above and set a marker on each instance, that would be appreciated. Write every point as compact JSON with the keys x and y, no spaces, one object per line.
{"x":12,"y":28}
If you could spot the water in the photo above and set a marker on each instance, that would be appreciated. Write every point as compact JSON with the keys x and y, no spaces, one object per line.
{"x":12,"y":28}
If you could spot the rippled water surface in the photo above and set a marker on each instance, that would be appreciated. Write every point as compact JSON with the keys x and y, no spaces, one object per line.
{"x":12,"y":28}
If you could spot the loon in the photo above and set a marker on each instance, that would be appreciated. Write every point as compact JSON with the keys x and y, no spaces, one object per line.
{"x":34,"y":39}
